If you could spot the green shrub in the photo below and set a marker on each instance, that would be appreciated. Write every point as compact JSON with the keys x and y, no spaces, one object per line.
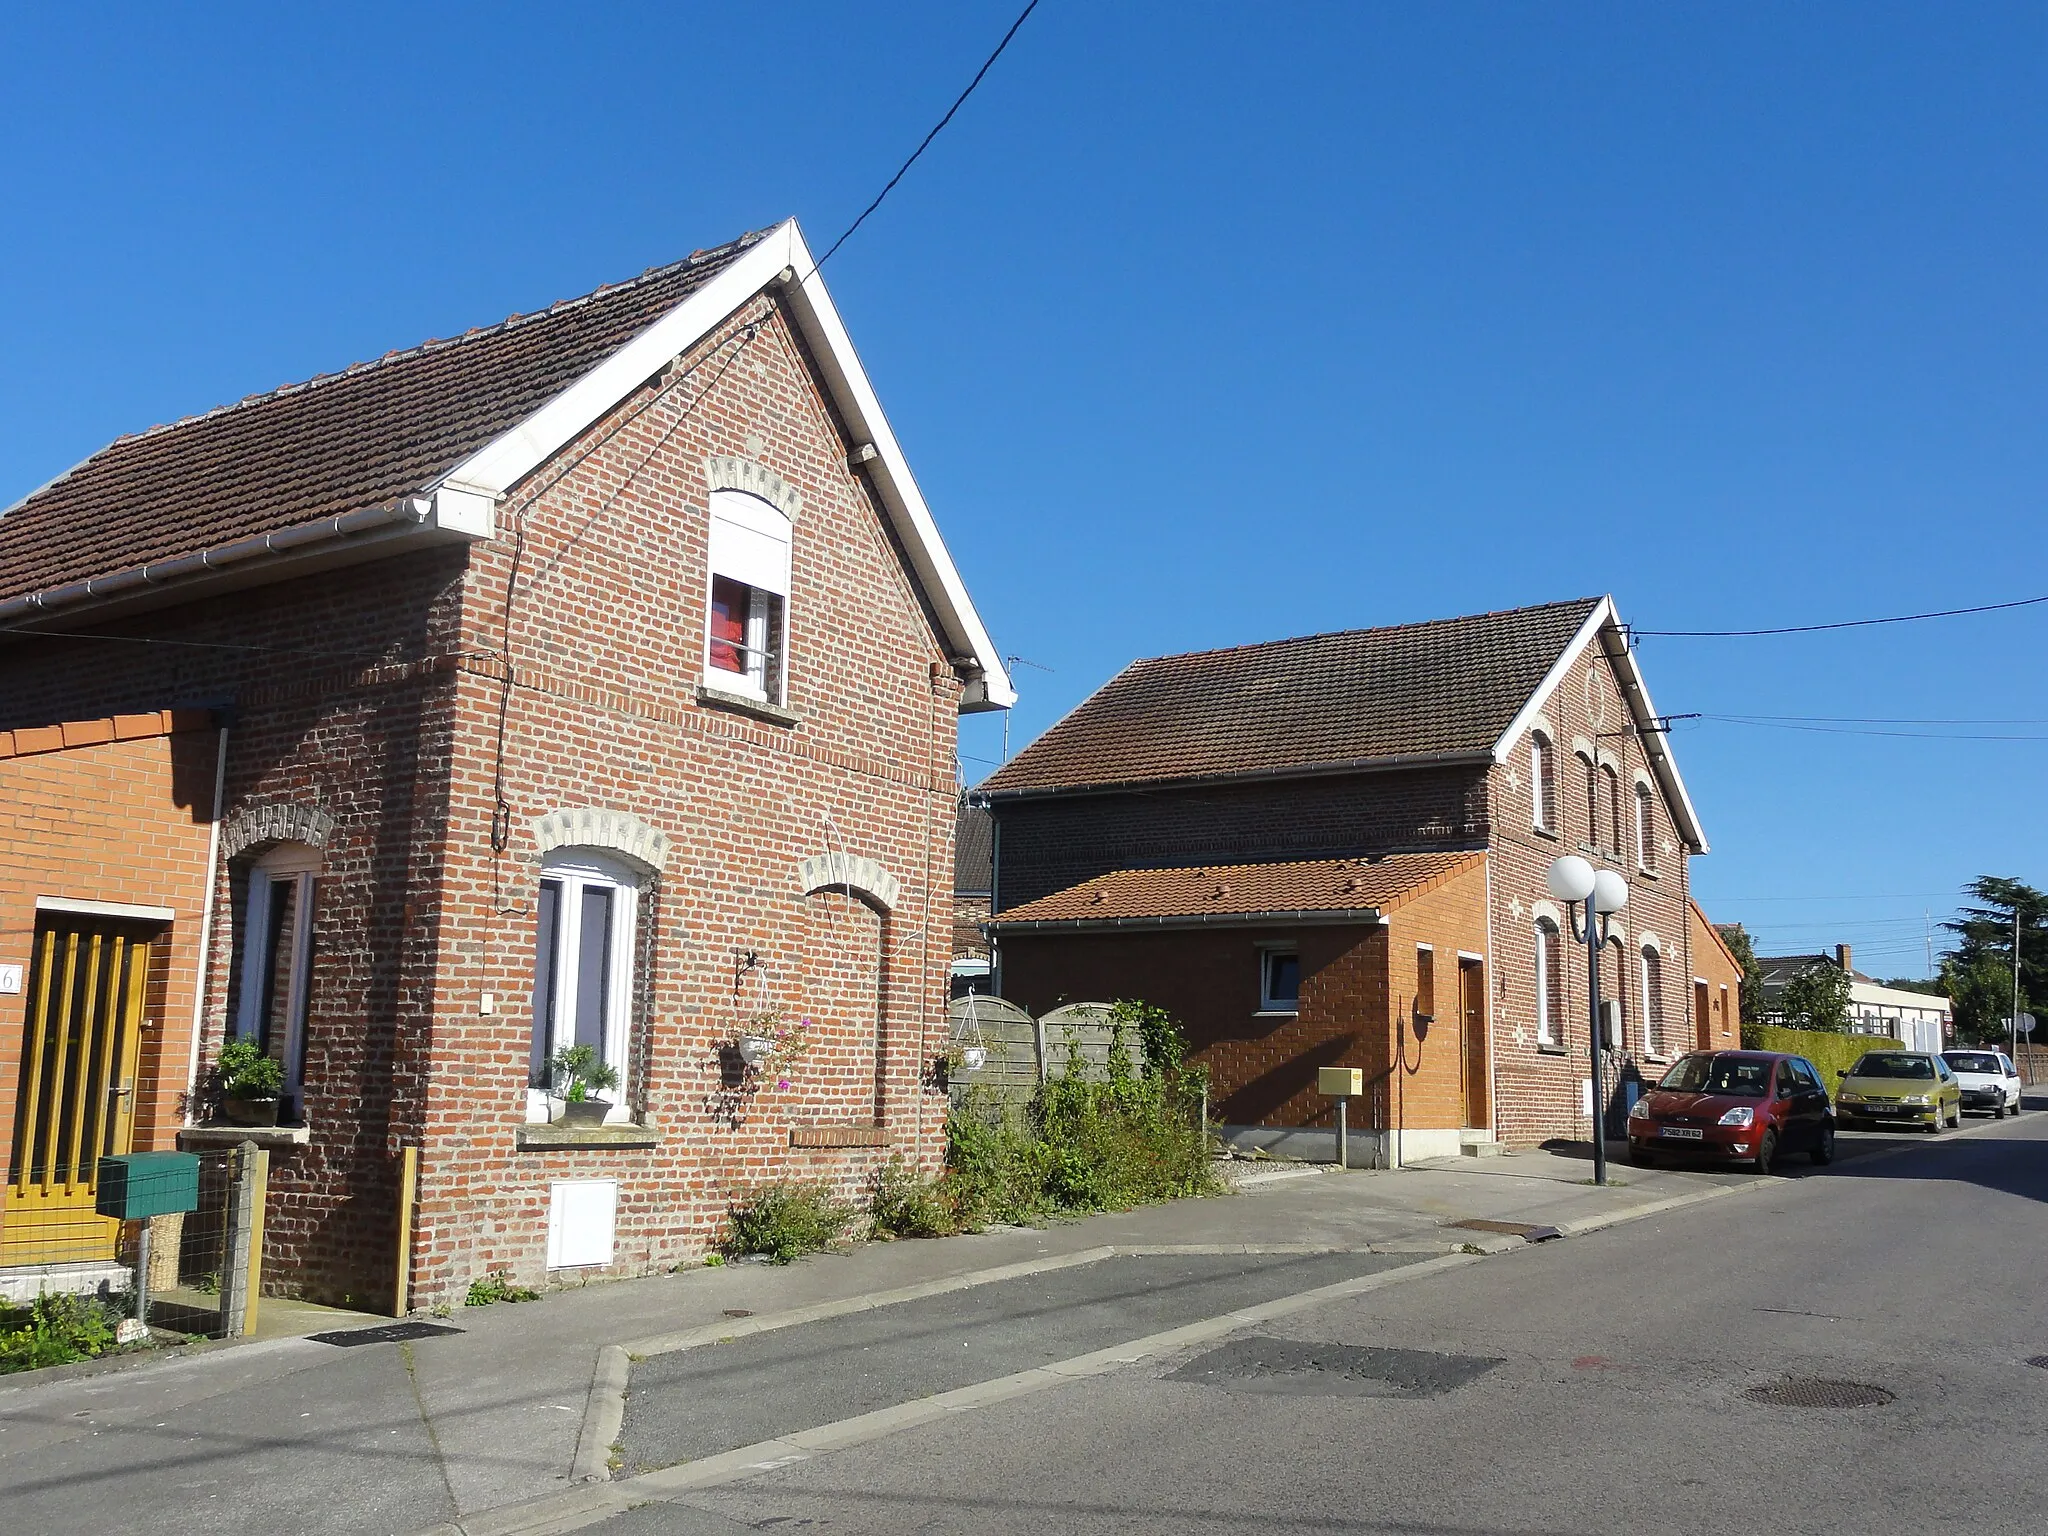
{"x":497,"y":1286}
{"x":785,"y":1221}
{"x":244,"y":1072}
{"x":907,"y":1204}
{"x":1086,"y":1145}
{"x":55,"y":1330}
{"x":1832,"y":1053}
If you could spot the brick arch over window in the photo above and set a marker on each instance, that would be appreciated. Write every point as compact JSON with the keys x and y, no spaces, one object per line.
{"x":619,"y":832}
{"x":850,"y":872}
{"x":277,"y":821}
{"x":730,"y":472}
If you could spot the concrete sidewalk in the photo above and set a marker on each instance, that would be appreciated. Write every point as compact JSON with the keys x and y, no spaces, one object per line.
{"x":292,"y":1434}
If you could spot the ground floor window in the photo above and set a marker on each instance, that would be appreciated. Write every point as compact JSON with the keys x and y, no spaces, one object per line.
{"x":275,"y":938}
{"x":582,"y":965}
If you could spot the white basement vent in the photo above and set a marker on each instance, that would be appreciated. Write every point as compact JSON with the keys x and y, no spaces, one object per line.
{"x":582,"y":1214}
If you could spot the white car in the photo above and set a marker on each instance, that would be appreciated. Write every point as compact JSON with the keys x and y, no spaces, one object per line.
{"x":1988,"y":1079}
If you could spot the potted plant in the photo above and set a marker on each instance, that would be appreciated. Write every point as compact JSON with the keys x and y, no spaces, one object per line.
{"x":771,"y":1047}
{"x":966,"y":1053}
{"x":249,"y":1083}
{"x":582,"y":1072}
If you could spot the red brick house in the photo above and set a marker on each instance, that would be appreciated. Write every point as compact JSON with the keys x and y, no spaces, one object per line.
{"x":591,"y":677}
{"x":1306,"y":847}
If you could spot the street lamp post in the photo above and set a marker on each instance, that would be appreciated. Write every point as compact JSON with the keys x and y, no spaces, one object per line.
{"x":1574,"y":881}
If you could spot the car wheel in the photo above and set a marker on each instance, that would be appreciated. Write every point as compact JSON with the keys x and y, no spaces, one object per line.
{"x":1998,"y":1110}
{"x":1955,"y":1120}
{"x":1824,"y":1149}
{"x":1766,"y":1150}
{"x":1936,"y":1126}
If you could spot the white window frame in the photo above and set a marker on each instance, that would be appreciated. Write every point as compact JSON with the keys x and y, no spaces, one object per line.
{"x":1653,"y":999}
{"x":1268,"y":1003}
{"x":298,"y":866}
{"x":750,"y":543}
{"x":1542,"y":762}
{"x":1546,"y":1026}
{"x":577,"y":870}
{"x":1646,"y":852}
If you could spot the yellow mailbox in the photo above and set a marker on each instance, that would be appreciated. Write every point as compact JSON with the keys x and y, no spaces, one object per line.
{"x":1340,"y":1082}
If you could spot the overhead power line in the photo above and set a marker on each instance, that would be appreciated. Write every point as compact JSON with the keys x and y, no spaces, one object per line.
{"x":937,"y":128}
{"x":1777,"y":724}
{"x":1809,"y":629}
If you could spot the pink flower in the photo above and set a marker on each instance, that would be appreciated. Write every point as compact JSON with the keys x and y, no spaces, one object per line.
{"x":782,"y":1082}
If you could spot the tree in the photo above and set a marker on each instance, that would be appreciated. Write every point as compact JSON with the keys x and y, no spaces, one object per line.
{"x":1979,"y":972}
{"x":1736,"y":937}
{"x":1817,"y":998}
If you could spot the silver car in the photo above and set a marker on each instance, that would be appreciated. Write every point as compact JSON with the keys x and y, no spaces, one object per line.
{"x":1989,"y":1080}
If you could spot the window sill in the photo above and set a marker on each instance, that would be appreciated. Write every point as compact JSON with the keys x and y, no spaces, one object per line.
{"x":558,"y":1136}
{"x":741,"y":704}
{"x":1550,"y":1048}
{"x":1277,"y":1013}
{"x":235,"y":1135}
{"x":831,"y":1137}
{"x":1545,"y":832}
{"x":1646,"y":872}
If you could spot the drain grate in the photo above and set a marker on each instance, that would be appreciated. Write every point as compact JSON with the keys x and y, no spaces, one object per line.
{"x":1521,"y":1229}
{"x":1815,"y":1392}
{"x":384,"y":1333}
{"x":1292,"y":1368}
{"x":2040,"y":1360}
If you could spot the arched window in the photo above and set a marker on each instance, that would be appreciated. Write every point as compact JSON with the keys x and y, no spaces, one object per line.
{"x":1653,"y":1002}
{"x":746,"y":634}
{"x":276,"y":944}
{"x":1646,"y":829}
{"x":1592,"y":775}
{"x":1542,"y":782}
{"x":1614,"y":822}
{"x":1549,"y":983}
{"x":582,"y":967}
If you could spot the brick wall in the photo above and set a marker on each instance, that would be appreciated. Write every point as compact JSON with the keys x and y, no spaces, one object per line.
{"x":1714,"y":965}
{"x":1540,"y":1088}
{"x":121,"y":813}
{"x":1053,"y":842}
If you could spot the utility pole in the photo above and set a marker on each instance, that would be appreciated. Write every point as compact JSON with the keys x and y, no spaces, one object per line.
{"x":1927,"y":927}
{"x":2014,"y":1021}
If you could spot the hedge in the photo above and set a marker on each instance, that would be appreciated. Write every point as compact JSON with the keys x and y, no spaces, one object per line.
{"x":1832,"y":1053}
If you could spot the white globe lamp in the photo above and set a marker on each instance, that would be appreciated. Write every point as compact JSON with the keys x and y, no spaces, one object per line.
{"x":1610,"y":892}
{"x":1572,"y":878}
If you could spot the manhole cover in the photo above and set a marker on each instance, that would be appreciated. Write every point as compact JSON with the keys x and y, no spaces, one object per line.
{"x":384,"y":1333}
{"x":1291,"y":1368}
{"x":1812,"y":1392}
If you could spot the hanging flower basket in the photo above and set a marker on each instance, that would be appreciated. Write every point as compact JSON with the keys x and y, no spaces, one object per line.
{"x":973,"y":1057}
{"x":755,"y":1049}
{"x":770,"y":1047}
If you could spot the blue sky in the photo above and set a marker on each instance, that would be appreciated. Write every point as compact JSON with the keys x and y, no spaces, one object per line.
{"x":1207,"y":324}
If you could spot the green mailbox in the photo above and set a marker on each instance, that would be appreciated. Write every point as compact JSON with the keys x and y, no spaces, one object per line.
{"x":148,"y":1184}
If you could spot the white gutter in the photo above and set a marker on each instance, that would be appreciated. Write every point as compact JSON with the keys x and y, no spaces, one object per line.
{"x":454,"y":510}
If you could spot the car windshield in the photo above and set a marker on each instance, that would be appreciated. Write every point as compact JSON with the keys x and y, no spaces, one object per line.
{"x":1971,"y":1061}
{"x":1747,"y":1077}
{"x":1893,"y":1064}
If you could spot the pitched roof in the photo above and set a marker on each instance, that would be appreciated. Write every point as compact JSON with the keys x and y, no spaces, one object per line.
{"x":974,"y":863}
{"x":1445,"y":687}
{"x":1246,"y":890}
{"x":337,"y":443}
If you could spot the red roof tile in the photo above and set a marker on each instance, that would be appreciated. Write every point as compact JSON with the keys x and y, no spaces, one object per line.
{"x":1309,"y":885}
{"x":340,"y":442}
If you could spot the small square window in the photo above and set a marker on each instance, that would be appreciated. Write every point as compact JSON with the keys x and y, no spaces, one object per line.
{"x":1279,"y":981}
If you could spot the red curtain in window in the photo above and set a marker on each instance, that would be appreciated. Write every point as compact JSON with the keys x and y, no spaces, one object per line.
{"x":729,"y":600}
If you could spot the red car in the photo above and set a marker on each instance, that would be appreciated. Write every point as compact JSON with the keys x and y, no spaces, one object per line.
{"x":1737,"y":1106}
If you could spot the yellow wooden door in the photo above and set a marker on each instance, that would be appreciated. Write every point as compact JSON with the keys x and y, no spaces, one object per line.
{"x":75,"y":1102}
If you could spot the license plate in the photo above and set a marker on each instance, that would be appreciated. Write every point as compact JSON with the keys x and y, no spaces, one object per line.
{"x":1680,"y":1132}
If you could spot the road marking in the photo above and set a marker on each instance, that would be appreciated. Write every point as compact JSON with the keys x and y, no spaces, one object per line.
{"x":593,"y":1502}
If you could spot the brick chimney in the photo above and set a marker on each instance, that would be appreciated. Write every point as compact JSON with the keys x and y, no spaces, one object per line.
{"x":1842,"y":959}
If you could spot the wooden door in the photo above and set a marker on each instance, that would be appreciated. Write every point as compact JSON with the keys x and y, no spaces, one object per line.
{"x":75,"y":1102}
{"x":1702,"y":1016}
{"x":1472,"y":1033}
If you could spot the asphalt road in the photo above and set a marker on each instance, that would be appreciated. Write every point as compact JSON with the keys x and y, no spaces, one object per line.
{"x":1599,"y":1384}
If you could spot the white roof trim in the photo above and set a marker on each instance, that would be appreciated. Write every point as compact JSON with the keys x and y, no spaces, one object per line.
{"x":514,"y":454}
{"x":1604,"y":623}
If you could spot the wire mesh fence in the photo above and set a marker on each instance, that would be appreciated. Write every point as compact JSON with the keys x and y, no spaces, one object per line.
{"x":184,"y":1272}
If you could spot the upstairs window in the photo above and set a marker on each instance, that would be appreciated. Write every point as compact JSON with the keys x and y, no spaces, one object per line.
{"x":1279,"y":981}
{"x":1592,"y":801}
{"x":276,"y":941}
{"x":1653,"y":1002}
{"x":1425,"y":982}
{"x":1614,"y":822}
{"x":1542,"y":783}
{"x":1646,"y":829}
{"x":746,"y":633}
